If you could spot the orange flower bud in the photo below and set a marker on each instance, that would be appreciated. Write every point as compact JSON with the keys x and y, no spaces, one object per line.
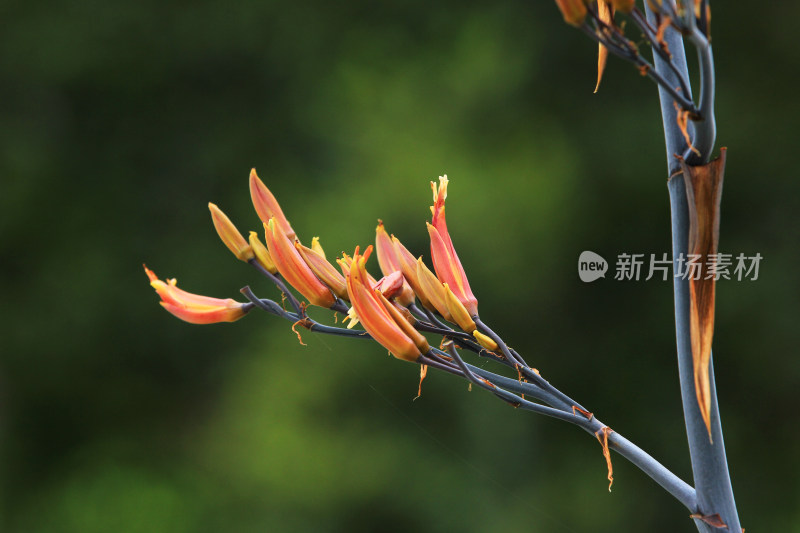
{"x":433,"y":290}
{"x":229,"y":234}
{"x":194,"y":308}
{"x":375,"y":317}
{"x":267,"y":206}
{"x":390,"y":285}
{"x":262,"y":254}
{"x":458,"y":311}
{"x":323,"y":270}
{"x":390,"y":262}
{"x":445,"y":260}
{"x":408,"y":264}
{"x":574,"y":11}
{"x":292,"y":267}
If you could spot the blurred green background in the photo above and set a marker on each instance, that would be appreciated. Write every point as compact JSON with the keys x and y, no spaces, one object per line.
{"x":119,"y":121}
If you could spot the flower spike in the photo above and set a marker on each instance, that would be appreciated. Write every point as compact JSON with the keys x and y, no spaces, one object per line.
{"x":292,"y":267}
{"x":377,"y":320}
{"x":194,"y":308}
{"x":445,"y":260}
{"x":267,"y":206}
{"x":229,"y":234}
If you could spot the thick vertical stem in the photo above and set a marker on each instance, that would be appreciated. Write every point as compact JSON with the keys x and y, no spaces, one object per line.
{"x":709,"y":464}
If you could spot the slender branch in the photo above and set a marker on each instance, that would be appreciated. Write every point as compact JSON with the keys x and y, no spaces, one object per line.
{"x":483,"y":328}
{"x":650,"y":33}
{"x":706,"y":128}
{"x":281,"y":286}
{"x":673,"y":137}
{"x":665,"y":83}
{"x":678,"y":488}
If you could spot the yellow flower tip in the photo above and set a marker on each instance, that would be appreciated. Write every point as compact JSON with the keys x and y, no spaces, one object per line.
{"x":458,"y":311}
{"x":261,"y":253}
{"x":317,"y":247}
{"x":574,"y":11}
{"x":229,"y":235}
{"x":485,"y":341}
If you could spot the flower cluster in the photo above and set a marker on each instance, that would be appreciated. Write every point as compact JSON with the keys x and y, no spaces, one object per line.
{"x":386,"y":308}
{"x":397,"y":310}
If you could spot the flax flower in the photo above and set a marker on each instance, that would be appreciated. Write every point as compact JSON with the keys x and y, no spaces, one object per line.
{"x":194,"y":308}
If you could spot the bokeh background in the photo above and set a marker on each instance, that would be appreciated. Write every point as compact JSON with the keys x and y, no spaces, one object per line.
{"x":120,"y":120}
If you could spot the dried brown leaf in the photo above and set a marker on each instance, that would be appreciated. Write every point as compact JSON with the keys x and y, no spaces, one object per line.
{"x":714,"y":520}
{"x":423,"y":373}
{"x":703,"y":194}
{"x":603,"y":439}
{"x":682,"y":119}
{"x":605,"y":12}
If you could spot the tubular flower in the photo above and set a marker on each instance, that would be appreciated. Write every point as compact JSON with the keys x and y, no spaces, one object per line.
{"x":262,"y":254}
{"x":292,"y":267}
{"x":323,"y":270}
{"x":389,"y":262}
{"x":408,"y":264}
{"x":377,"y":320}
{"x":445,"y":260}
{"x":229,"y":234}
{"x":267,"y":206}
{"x":433,"y":289}
{"x":194,"y":308}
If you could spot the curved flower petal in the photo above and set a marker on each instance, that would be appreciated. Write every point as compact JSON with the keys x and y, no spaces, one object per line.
{"x":267,"y":206}
{"x":195,"y":308}
{"x":292,"y":267}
